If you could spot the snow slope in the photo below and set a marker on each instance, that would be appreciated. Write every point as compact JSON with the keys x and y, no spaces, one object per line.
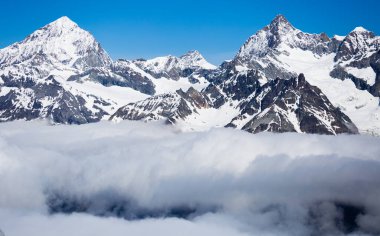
{"x":362,"y":107}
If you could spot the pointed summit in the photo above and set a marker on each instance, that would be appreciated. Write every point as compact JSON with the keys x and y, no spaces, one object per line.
{"x":361,"y":32}
{"x":61,"y":42}
{"x":357,"y":44}
{"x":195,"y":59}
{"x":280,"y":35}
{"x":281,"y":25}
{"x":193,"y":53}
{"x":57,"y":28}
{"x":360,"y":29}
{"x":280,"y":19}
{"x":63,"y":23}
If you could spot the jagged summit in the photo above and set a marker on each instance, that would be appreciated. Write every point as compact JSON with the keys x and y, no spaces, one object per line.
{"x":280,"y":24}
{"x":173,"y":67}
{"x":280,"y":19}
{"x":359,"y":43}
{"x":258,"y":45}
{"x":195,"y":59}
{"x":193,"y":54}
{"x":280,"y":35}
{"x":361,"y":33}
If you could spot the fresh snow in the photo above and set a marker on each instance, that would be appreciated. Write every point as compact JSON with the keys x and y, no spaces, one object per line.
{"x":359,"y":105}
{"x":115,"y":95}
{"x":63,"y":49}
{"x":192,"y":59}
{"x":205,"y":119}
{"x":360,"y":29}
{"x":339,"y":38}
{"x":366,"y":74}
{"x":164,"y":85}
{"x":63,"y":41}
{"x":167,"y":85}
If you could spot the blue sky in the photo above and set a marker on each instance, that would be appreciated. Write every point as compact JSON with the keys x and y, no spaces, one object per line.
{"x":149,"y":28}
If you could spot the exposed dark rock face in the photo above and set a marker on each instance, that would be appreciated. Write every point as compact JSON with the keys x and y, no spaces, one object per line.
{"x":278,"y":106}
{"x":340,"y":73}
{"x":262,"y":50}
{"x":64,"y":107}
{"x":375,"y":65}
{"x":294,"y":106}
{"x":29,"y":90}
{"x":237,"y":85}
{"x":360,"y":49}
{"x":356,"y":45}
{"x":172,"y":107}
{"x":120,"y":74}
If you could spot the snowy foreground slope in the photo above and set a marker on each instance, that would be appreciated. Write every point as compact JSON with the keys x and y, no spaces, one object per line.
{"x":147,"y":179}
{"x":61,"y":73}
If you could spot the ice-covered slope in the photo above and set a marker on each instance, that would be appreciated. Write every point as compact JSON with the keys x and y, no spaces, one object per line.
{"x":361,"y":106}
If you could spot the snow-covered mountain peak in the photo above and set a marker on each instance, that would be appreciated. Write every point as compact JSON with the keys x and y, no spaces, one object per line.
{"x":280,"y":25}
{"x":361,"y":32}
{"x":63,"y":23}
{"x":339,"y":38}
{"x":175,"y":67}
{"x":60,"y":43}
{"x":60,"y":28}
{"x":359,"y":43}
{"x":192,"y":53}
{"x":360,"y":29}
{"x":279,"y":36}
{"x":195,"y":59}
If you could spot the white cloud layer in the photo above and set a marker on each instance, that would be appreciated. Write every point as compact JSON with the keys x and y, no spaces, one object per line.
{"x":223,"y":181}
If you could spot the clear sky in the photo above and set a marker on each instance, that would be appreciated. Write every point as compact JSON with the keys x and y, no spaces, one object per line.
{"x":149,"y":28}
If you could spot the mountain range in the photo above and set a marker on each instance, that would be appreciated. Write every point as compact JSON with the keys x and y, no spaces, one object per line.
{"x":281,"y":80}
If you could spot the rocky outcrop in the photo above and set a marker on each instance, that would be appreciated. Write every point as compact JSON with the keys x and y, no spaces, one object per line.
{"x":278,"y":106}
{"x":294,"y":106}
{"x":26,"y":99}
{"x":170,"y":107}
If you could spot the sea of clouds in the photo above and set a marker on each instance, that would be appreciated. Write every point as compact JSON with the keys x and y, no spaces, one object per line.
{"x":134,"y":178}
